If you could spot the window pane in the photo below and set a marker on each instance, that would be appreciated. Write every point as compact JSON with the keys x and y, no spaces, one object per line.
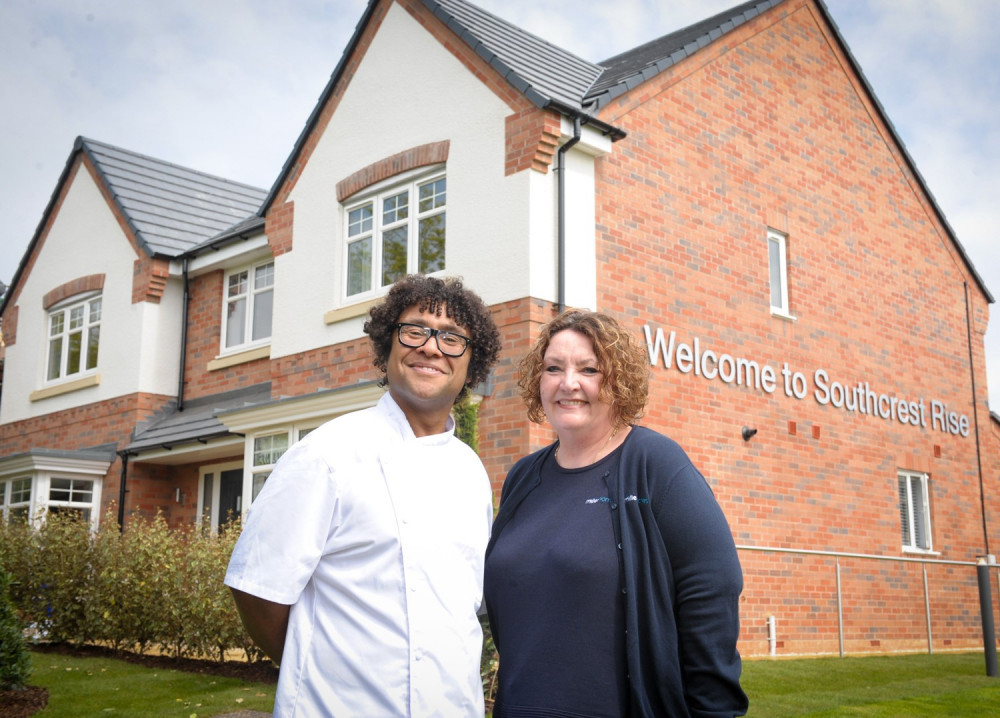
{"x":73,"y":355}
{"x":236,"y":322}
{"x":93,"y":340}
{"x":359,"y":266}
{"x":76,"y":317}
{"x":359,"y":221}
{"x":263,"y":277}
{"x":56,"y":324}
{"x":393,"y":255}
{"x":258,"y":483}
{"x":268,"y":449}
{"x":20,"y":491}
{"x":237,"y":284}
{"x":777,"y":291}
{"x":917,"y":500}
{"x":904,"y":511}
{"x":59,"y":490}
{"x":431,"y":244}
{"x":262,"y":303}
{"x":396,"y":208}
{"x":432,"y":195}
{"x":55,"y":358}
{"x":95,"y":311}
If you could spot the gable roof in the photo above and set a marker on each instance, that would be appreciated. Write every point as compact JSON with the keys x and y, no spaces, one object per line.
{"x":625,"y":71}
{"x":169,"y":209}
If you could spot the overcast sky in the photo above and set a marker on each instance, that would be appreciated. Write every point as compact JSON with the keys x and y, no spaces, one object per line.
{"x":226,"y":86}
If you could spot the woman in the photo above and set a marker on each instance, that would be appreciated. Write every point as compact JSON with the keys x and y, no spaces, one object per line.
{"x":612,"y":581}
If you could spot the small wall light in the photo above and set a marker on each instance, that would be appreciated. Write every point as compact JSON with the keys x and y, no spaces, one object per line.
{"x":747,"y":433}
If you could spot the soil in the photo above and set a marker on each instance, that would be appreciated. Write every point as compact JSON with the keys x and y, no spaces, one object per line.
{"x":23,"y":703}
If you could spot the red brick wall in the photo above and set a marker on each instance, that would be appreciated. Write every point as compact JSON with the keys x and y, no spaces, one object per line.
{"x":106,"y":422}
{"x":772,"y":130}
{"x":204,"y":342}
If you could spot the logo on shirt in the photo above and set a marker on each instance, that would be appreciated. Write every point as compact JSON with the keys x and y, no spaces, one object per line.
{"x":605,"y":499}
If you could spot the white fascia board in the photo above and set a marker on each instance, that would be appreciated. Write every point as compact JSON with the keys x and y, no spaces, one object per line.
{"x":30,"y":463}
{"x":320,"y":405}
{"x":231,"y":255}
{"x":592,"y":141}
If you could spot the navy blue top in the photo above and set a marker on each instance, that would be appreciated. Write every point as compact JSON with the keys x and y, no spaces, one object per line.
{"x":555,"y":584}
{"x":682,"y":578}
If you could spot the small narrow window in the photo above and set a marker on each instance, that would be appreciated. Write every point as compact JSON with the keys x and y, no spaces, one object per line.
{"x":249,"y":303}
{"x":914,"y":511}
{"x":777,"y":252}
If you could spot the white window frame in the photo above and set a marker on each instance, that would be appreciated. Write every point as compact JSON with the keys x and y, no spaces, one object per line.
{"x":40,"y":500}
{"x":914,"y":511}
{"x":86,"y":323}
{"x":251,"y":297}
{"x":777,"y":252}
{"x":22,"y":506}
{"x":375,"y":197}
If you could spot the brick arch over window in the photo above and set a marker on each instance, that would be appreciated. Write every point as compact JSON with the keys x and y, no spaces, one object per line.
{"x":430,"y":154}
{"x":90,"y":283}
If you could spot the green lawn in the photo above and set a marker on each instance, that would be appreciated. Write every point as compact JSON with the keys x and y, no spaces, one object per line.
{"x":914,"y":685}
{"x":108,"y":687}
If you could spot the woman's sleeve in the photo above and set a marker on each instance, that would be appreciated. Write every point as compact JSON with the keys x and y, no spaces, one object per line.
{"x":708,"y":581}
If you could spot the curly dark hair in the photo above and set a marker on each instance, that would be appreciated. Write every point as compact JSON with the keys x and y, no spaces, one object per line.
{"x":430,"y":294}
{"x":620,"y":358}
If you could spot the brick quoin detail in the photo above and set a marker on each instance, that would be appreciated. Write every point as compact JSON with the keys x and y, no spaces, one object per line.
{"x":8,"y":327}
{"x":278,"y":226}
{"x":149,"y":279}
{"x":90,"y":283}
{"x":532,"y":140}
{"x":430,"y":154}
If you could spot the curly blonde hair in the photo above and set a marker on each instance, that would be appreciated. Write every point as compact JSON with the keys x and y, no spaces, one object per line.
{"x":620,"y":358}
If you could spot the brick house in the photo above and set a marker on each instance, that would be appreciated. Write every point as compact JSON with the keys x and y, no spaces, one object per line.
{"x":733,"y":191}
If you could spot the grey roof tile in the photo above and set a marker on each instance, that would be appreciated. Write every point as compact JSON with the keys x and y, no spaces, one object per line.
{"x":539,"y":69}
{"x":632,"y":67}
{"x":197,"y":422}
{"x":170,"y":208}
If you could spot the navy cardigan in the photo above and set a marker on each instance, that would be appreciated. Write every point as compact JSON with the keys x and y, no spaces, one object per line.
{"x":682,"y":578}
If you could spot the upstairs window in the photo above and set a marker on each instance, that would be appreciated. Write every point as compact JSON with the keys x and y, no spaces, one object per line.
{"x":249,"y":301}
{"x":914,"y":511}
{"x":74,"y":337}
{"x":399,"y":231}
{"x":778,"y":272}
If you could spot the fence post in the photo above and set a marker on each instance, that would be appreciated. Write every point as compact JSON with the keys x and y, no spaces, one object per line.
{"x":986,"y":612}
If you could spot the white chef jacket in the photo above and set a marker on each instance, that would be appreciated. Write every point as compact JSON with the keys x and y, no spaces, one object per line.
{"x":376,"y":538}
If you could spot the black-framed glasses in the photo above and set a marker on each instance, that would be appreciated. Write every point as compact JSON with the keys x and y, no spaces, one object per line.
{"x":448,"y":343}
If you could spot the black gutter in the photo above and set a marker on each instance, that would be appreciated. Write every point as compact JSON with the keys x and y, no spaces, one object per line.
{"x":121,"y":491}
{"x":184,"y":334}
{"x":975,"y":418}
{"x":561,"y":212}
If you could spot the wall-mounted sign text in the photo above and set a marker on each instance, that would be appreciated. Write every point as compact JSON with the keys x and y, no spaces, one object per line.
{"x":693,"y":358}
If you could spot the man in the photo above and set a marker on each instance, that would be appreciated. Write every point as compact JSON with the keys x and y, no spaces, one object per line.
{"x":360,"y":567}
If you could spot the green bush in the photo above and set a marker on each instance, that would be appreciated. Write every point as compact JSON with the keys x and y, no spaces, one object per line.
{"x":151,"y":587}
{"x":15,"y":662}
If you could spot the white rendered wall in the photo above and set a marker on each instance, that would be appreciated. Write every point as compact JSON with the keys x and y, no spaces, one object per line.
{"x":408,"y":91}
{"x":84,"y":239}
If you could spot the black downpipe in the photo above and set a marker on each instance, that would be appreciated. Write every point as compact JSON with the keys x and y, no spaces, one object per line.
{"x":561,"y":216}
{"x":121,"y":491}
{"x":975,"y":418}
{"x":184,"y":336}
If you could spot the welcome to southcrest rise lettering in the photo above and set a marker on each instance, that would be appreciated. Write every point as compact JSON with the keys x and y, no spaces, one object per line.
{"x":858,"y":397}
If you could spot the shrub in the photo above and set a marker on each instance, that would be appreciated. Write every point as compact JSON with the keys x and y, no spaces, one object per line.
{"x":15,"y":662}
